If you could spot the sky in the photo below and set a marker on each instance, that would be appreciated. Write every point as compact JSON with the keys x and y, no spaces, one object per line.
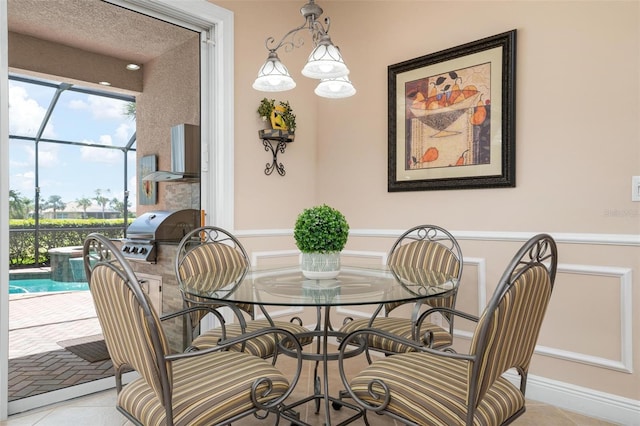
{"x":72,"y":172}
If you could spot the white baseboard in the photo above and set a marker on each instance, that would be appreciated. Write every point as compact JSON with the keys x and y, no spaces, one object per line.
{"x":585,"y":401}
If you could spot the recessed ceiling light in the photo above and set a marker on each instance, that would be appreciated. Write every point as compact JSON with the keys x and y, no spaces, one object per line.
{"x":133,"y":67}
{"x":104,"y":83}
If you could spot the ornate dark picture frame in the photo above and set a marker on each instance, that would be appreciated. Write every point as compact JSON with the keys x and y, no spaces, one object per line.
{"x":452,"y":118}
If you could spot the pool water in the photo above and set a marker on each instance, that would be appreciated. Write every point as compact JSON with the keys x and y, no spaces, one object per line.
{"x":44,"y":286}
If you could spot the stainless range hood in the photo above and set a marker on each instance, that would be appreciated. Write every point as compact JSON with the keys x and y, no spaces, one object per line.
{"x":185,"y":156}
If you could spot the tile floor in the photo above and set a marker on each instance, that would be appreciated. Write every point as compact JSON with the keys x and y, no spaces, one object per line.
{"x":99,"y":409}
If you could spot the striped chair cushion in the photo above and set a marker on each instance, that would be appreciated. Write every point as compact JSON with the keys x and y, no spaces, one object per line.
{"x":428,"y":255}
{"x":425,"y":254}
{"x":521,"y":308}
{"x":213,"y":265}
{"x":206,"y":390}
{"x":434,"y":258}
{"x":263,"y":346}
{"x":211,"y":257}
{"x":399,"y":327}
{"x":210,"y":282}
{"x":124,"y":326}
{"x":432,"y":390}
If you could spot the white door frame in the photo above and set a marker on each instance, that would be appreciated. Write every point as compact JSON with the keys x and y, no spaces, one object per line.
{"x":216,"y":85}
{"x":4,"y":212}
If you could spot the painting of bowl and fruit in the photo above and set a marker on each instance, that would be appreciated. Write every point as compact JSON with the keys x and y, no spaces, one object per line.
{"x":448,"y":119}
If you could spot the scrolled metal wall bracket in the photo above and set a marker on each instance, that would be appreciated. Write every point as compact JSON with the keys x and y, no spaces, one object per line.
{"x":276,"y":141}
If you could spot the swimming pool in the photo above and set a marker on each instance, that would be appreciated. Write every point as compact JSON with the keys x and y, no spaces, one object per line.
{"x":44,"y":285}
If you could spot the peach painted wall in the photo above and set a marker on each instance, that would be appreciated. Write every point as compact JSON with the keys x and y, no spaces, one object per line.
{"x":576,"y":152}
{"x":577,"y":138}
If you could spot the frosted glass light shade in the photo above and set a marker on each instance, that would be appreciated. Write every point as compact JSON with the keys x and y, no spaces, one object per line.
{"x":273,"y":76}
{"x":335,"y":88}
{"x":325,"y":61}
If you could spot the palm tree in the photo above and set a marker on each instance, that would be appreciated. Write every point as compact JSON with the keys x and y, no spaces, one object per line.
{"x":54,"y":202}
{"x":85,"y":203}
{"x":19,"y":206}
{"x":28,"y":207}
{"x":101,"y":200}
{"x":130,"y":110}
{"x":118,"y":205}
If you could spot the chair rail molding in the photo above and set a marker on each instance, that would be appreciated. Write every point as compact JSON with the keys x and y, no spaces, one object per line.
{"x":566,"y":395}
{"x":562,"y":237}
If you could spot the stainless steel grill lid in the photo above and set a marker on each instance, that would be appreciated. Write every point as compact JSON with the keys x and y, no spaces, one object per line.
{"x":157,"y":226}
{"x":164,"y":225}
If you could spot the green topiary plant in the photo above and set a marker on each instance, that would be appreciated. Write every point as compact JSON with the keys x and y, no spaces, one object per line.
{"x":321,"y":229}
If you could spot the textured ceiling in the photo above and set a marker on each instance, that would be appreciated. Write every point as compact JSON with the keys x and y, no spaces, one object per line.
{"x":96,"y":26}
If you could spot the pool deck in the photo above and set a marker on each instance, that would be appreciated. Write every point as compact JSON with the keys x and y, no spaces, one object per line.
{"x":30,"y":273}
{"x":37,"y":321}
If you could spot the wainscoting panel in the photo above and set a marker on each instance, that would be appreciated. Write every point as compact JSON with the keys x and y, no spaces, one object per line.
{"x":593,"y":303}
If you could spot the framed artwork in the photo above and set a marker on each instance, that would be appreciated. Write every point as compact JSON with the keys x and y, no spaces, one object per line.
{"x":452,"y":118}
{"x":147,"y":190}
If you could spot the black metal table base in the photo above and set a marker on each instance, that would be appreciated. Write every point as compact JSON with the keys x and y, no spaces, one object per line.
{"x":321,"y":386}
{"x":336,"y":403}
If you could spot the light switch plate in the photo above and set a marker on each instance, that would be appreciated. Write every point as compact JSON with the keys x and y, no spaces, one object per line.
{"x":635,"y":188}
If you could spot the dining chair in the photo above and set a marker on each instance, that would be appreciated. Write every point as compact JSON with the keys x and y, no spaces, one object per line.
{"x":211,"y":259}
{"x":435,"y":387}
{"x":213,"y":386}
{"x":432,"y":249}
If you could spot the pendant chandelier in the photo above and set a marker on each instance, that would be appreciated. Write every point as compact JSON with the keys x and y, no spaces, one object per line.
{"x":324,"y":63}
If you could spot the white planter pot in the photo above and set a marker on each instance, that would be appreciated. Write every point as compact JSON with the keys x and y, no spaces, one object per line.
{"x":320,"y":266}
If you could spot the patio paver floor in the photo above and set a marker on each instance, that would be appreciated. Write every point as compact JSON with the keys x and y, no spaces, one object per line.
{"x":37,"y":321}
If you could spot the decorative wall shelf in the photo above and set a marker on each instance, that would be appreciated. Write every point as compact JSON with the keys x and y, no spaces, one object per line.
{"x":275,"y":140}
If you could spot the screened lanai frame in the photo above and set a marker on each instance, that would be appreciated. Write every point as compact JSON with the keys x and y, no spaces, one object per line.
{"x":38,"y":137}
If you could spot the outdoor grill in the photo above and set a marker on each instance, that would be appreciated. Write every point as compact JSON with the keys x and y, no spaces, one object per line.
{"x":151,"y":228}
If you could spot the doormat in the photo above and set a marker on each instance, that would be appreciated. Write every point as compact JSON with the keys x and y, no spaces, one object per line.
{"x":89,"y":348}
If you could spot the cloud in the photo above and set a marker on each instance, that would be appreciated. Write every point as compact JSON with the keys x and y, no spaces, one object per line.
{"x":19,"y":164}
{"x":25,"y":114}
{"x":47,"y":155}
{"x":101,"y":155}
{"x":124,"y":132}
{"x":23,"y":183}
{"x":78,"y":104}
{"x":132,"y":183}
{"x":99,"y":107}
{"x":133,"y":186}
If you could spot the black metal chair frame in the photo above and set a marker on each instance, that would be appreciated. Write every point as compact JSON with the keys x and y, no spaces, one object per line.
{"x":217,"y":235}
{"x":539,"y":250}
{"x":99,"y":250}
{"x":431,"y":233}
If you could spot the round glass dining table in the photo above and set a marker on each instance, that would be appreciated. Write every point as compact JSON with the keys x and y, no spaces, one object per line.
{"x":287,"y":286}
